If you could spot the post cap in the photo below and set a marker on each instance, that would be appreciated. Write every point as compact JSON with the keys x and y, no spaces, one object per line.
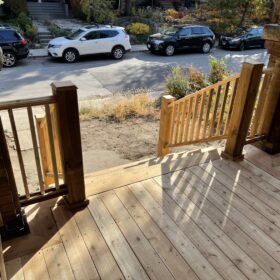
{"x":64,"y":84}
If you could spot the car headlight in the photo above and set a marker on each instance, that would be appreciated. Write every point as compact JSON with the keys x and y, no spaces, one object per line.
{"x":235,"y":40}
{"x":56,"y":46}
{"x":157,"y":42}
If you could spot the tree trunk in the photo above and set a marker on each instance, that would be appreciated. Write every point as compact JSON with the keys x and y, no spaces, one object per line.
{"x":276,"y":12}
{"x":245,"y":11}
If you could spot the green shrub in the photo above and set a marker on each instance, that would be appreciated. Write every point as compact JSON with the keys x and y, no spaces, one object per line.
{"x":176,"y":83}
{"x":31,"y":33}
{"x":55,"y":30}
{"x":99,"y":11}
{"x":218,"y":70}
{"x":138,"y":28}
{"x":15,"y":7}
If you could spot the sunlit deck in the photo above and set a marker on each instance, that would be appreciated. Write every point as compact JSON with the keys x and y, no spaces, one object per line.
{"x":193,"y":217}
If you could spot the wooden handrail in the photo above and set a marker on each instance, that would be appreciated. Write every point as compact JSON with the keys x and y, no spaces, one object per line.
{"x":27,"y":102}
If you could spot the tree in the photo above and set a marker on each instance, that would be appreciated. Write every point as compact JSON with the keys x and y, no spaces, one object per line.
{"x":99,"y":11}
{"x":129,"y":5}
{"x":276,"y":12}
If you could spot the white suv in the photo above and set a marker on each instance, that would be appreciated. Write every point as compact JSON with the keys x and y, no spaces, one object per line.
{"x":93,"y":39}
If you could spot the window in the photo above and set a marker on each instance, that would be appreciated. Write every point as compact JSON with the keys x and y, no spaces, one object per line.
{"x":207,"y":31}
{"x":10,"y":35}
{"x":92,"y":35}
{"x":108,"y":33}
{"x":197,"y":30}
{"x":185,"y":32}
{"x":75,"y":35}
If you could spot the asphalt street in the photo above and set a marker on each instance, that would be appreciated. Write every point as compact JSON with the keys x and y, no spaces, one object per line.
{"x":102,"y":76}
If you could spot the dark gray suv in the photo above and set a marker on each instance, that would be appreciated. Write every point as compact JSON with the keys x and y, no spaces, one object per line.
{"x":14,"y":46}
{"x":182,"y":37}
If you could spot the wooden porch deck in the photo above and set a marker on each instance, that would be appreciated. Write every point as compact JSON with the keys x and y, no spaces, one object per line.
{"x":195,"y":217}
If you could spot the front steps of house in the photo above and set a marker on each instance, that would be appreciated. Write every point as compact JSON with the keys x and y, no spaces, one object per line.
{"x":46,"y":10}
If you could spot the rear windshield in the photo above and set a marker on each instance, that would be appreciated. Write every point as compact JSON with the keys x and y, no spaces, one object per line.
{"x":10,"y":35}
{"x":75,"y":35}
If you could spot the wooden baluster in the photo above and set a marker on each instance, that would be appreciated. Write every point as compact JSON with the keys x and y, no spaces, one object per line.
{"x":35,"y":149}
{"x":184,"y":116}
{"x":201,"y":110}
{"x":243,"y":110}
{"x":214,"y":115}
{"x":18,"y":149}
{"x":188,"y":120}
{"x":208,"y":107}
{"x":178,"y":122}
{"x":174,"y":111}
{"x":222,"y":111}
{"x":70,"y":134}
{"x":194,"y":114}
{"x":165,"y":125}
{"x":52,"y":147}
{"x":231,"y":105}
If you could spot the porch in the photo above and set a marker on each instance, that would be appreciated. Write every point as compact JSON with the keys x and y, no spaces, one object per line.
{"x":195,"y":216}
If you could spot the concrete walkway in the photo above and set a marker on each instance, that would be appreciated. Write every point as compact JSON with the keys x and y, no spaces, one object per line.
{"x":44,"y":52}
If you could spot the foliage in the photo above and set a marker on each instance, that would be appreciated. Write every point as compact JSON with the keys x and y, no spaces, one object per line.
{"x":15,"y":7}
{"x":177,"y":83}
{"x":138,"y":28}
{"x":123,"y":107}
{"x":99,"y":11}
{"x":24,"y":24}
{"x":196,"y":79}
{"x":218,"y":70}
{"x":55,"y":30}
{"x":154,"y":14}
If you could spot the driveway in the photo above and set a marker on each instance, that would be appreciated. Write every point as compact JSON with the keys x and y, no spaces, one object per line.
{"x":103,"y":76}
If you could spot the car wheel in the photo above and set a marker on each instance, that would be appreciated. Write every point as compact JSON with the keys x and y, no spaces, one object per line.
{"x":9,"y":59}
{"x":70,"y":55}
{"x":242,"y":46}
{"x":118,"y":52}
{"x":169,"y":50}
{"x":206,"y":47}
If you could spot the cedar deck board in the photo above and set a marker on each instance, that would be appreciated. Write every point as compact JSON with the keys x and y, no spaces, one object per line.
{"x":175,"y":209}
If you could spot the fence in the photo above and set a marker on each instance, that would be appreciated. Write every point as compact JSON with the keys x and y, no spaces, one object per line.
{"x":206,"y":115}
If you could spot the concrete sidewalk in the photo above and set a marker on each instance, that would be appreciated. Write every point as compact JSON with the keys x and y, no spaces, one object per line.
{"x":44,"y":52}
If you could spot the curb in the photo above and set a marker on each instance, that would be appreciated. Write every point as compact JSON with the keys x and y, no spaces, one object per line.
{"x":46,"y":55}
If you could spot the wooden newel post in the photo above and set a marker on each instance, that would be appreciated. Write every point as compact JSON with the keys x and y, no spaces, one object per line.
{"x":246,"y":95}
{"x":165,"y":125}
{"x":71,"y":146}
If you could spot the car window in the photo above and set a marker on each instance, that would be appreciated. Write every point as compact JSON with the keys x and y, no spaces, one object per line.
{"x":93,"y":35}
{"x":108,"y":33}
{"x":171,"y":31}
{"x":10,"y":35}
{"x":253,"y":31}
{"x":185,"y":32}
{"x":197,"y":30}
{"x":207,"y":31}
{"x":75,"y":35}
{"x":260,"y":31}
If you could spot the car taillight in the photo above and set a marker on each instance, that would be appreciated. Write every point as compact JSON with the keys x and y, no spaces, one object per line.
{"x":23,"y":42}
{"x":126,"y":37}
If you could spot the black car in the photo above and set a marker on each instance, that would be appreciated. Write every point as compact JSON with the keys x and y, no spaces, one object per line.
{"x":14,"y":46}
{"x":243,"y":39}
{"x":182,"y":37}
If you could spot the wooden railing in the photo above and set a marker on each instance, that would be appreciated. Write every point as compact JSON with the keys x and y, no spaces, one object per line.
{"x":56,"y":145}
{"x":206,"y":115}
{"x":198,"y":117}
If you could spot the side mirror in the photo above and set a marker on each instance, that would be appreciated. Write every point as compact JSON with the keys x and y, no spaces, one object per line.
{"x":83,"y":39}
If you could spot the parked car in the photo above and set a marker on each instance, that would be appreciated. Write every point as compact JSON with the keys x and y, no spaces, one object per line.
{"x":92,"y":39}
{"x":243,"y":39}
{"x":182,"y":37}
{"x":14,"y":46}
